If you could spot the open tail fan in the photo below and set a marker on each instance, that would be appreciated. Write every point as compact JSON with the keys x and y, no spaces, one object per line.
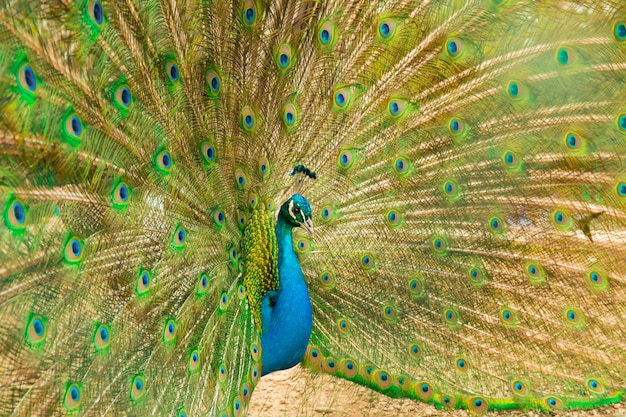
{"x":468,"y":200}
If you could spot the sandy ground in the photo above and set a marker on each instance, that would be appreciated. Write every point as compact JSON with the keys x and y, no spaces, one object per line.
{"x":298,"y":393}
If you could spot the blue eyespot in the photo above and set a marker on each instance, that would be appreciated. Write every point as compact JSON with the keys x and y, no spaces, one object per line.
{"x":97,"y":12}
{"x":563,"y":56}
{"x":621,"y":189}
{"x":77,"y":127}
{"x":384,"y":30}
{"x":104,"y":334}
{"x":250,"y":15}
{"x":340,"y":99}
{"x":38,"y":327}
{"x":19,"y":213}
{"x":166,"y":160}
{"x":284,"y":60}
{"x":126,"y":96}
{"x":74,"y":393}
{"x":174,"y":72}
{"x":619,"y":31}
{"x":454,"y":47}
{"x":621,"y":123}
{"x":29,"y":78}
{"x":325,"y":36}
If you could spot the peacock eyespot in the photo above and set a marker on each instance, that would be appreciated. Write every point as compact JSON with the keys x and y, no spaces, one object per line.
{"x":171,"y":68}
{"x":340,"y":99}
{"x":36,"y":330}
{"x":327,"y":280}
{"x":102,"y":337}
{"x":396,"y":108}
{"x":222,"y":373}
{"x":620,"y":188}
{"x":519,"y":388}
{"x":164,"y":162}
{"x":596,"y":280}
{"x":456,"y":127}
{"x":343,"y":325}
{"x":249,"y":13}
{"x":514,"y":90}
{"x":415,"y":351}
{"x":565,"y":56}
{"x":326,"y":213}
{"x":621,"y":123}
{"x":454,"y":48}
{"x":367,"y":261}
{"x":144,"y":281}
{"x":393,"y":218}
{"x":208,"y":153}
{"x":255,"y":351}
{"x":16,"y":215}
{"x":573,"y":141}
{"x":416,"y":286}
{"x":247,"y":118}
{"x":121,"y":195}
{"x":284,"y":58}
{"x":450,"y":316}
{"x":137,"y":388}
{"x":223,"y":302}
{"x":553,"y":403}
{"x":73,"y":128}
{"x":26,"y":78}
{"x":401,"y":166}
{"x":496,"y":225}
{"x":123,"y":97}
{"x":94,"y":9}
{"x":213,"y":81}
{"x":290,"y":115}
{"x":439,"y":245}
{"x":73,"y":250}
{"x":574,"y":318}
{"x":255,"y":374}
{"x":384,"y":30}
{"x":387,"y":29}
{"x":325,"y":36}
{"x":72,"y":396}
{"x":561,"y":219}
{"x":169,"y":331}
{"x":345,"y":159}
{"x":511,"y":160}
{"x":594,"y":386}
{"x":461,"y":365}
{"x":619,"y":31}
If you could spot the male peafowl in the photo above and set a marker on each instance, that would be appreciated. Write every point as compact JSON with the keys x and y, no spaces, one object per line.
{"x":463,"y":164}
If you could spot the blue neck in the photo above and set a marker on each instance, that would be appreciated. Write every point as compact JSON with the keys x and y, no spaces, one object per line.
{"x":286,"y":313}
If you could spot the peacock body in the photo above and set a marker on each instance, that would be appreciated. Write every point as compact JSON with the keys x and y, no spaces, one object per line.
{"x":468,"y":201}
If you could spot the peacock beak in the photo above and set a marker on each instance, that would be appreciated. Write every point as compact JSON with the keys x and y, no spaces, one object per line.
{"x":308,"y":226}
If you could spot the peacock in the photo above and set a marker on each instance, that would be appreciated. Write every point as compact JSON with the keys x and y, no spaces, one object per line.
{"x":427,"y":198}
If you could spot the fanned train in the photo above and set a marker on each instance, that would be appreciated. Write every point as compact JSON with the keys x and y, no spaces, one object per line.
{"x":460,"y":167}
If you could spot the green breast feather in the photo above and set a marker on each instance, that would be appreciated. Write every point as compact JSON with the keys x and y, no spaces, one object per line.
{"x":260,"y":271}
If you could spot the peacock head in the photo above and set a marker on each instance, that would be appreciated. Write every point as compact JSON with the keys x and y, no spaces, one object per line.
{"x":297,"y":212}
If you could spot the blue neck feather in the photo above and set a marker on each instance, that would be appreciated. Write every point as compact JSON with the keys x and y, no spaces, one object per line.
{"x":286,"y":313}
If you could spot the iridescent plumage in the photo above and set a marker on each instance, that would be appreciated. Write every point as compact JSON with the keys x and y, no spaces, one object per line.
{"x":465,"y":172}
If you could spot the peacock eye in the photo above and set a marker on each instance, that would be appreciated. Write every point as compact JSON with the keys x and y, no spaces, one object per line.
{"x":296,"y":211}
